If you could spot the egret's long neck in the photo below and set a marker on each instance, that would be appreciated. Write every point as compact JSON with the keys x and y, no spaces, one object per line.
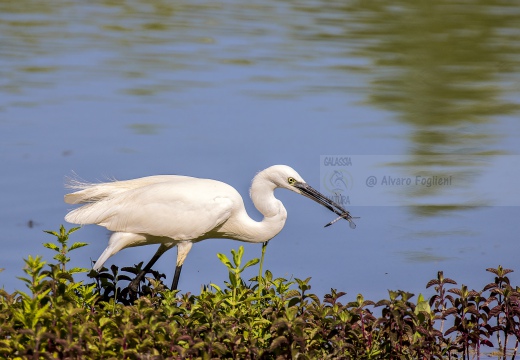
{"x":262,"y":194}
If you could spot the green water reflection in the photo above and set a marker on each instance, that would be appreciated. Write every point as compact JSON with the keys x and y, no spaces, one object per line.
{"x":448,"y":70}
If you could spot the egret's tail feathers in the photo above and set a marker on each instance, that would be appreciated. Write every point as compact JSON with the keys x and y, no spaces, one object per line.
{"x":88,"y":214}
{"x":92,"y":192}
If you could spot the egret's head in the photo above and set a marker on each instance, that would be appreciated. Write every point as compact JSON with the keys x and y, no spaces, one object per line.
{"x":283,"y":176}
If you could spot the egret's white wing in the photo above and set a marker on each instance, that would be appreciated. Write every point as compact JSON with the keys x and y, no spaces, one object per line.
{"x":92,"y":192}
{"x":180,"y":209}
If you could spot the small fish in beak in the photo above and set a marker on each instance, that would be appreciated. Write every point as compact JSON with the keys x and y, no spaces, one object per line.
{"x":347,"y":217}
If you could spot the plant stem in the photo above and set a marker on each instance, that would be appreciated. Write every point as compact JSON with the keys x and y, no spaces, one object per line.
{"x":260,"y":273}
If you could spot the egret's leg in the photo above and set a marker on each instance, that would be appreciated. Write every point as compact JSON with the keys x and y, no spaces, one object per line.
{"x":183,"y":249}
{"x":176,"y":277}
{"x":134,"y":284}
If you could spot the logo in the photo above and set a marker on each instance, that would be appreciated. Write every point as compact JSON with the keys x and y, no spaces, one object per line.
{"x":337,"y":181}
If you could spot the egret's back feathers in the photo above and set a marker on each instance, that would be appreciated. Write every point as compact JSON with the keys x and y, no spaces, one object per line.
{"x":181,"y":208}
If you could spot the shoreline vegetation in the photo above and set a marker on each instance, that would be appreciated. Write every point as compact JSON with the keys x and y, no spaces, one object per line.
{"x":261,"y":318}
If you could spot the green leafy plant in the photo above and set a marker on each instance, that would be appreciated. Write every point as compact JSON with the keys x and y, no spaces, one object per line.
{"x":263,"y":318}
{"x":506,"y":312}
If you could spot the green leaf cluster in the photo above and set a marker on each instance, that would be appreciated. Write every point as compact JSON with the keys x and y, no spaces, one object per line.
{"x":263,"y":318}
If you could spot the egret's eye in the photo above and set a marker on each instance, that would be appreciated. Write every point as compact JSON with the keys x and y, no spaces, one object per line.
{"x":291,"y":180}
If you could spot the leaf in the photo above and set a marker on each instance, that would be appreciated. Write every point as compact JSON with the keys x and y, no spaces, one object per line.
{"x":473,"y":293}
{"x":77,"y":245}
{"x":455,"y":291}
{"x":250,"y":263}
{"x":291,"y":313}
{"x":340,"y":294}
{"x":492,"y":270}
{"x":224,"y":259}
{"x":392,"y":294}
{"x":486,"y":342}
{"x":449,"y":311}
{"x":78,"y":270}
{"x":472,"y":310}
{"x":293,"y":301}
{"x":52,"y":246}
{"x":74,"y":229}
{"x":129,"y":269}
{"x":51,"y":232}
{"x":432,"y":282}
{"x":104,"y":321}
{"x":66,"y":276}
{"x":237,"y":256}
{"x":233,"y":279}
{"x":450,"y":330}
{"x":490,"y":286}
{"x":292,"y":293}
{"x":495,"y":311}
{"x":278,"y":342}
{"x":40,"y":313}
{"x":314,"y":298}
{"x":215,"y":287}
{"x":422,"y":305}
{"x":382,"y":302}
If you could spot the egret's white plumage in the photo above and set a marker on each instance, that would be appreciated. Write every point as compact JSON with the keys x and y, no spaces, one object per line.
{"x":177,"y":210}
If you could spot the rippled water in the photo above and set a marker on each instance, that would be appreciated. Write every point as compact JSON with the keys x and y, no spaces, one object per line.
{"x":222,"y":90}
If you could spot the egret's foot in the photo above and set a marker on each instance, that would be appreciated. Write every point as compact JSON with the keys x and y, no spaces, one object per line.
{"x":134,"y":285}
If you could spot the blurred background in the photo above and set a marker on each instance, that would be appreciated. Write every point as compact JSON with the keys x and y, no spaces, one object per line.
{"x":222,"y":89}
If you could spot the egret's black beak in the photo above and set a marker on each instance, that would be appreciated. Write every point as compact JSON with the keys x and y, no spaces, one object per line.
{"x":315,"y":195}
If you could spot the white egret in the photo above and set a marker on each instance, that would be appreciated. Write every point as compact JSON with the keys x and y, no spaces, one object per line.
{"x":173,"y":210}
